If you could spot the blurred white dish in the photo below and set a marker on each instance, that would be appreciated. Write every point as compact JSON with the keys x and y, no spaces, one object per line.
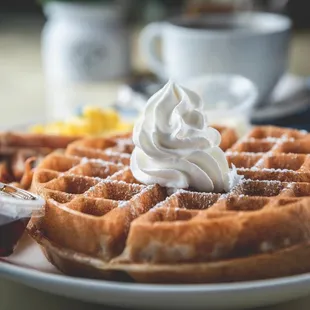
{"x":228,"y":99}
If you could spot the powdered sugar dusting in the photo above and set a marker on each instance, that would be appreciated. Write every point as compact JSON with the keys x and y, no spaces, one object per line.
{"x":123,"y":203}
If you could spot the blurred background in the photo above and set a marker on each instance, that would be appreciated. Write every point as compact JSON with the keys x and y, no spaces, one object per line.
{"x":33,"y":33}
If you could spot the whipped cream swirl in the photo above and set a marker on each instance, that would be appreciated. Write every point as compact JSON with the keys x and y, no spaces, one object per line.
{"x":175,"y":147}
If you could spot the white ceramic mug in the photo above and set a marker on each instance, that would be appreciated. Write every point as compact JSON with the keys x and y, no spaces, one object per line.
{"x":253,"y":45}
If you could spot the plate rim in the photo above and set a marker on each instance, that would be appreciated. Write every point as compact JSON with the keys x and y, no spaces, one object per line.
{"x":9,"y":269}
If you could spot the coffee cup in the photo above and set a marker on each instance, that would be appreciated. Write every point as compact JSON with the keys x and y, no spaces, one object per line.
{"x":253,"y":45}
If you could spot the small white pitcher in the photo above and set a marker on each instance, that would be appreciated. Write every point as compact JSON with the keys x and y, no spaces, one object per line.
{"x":82,"y":44}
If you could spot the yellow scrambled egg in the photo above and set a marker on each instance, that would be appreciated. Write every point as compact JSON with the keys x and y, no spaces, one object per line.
{"x":93,"y":121}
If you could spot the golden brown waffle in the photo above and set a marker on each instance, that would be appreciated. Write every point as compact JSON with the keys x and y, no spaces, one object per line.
{"x":18,"y":152}
{"x":100,"y":221}
{"x":271,"y":153}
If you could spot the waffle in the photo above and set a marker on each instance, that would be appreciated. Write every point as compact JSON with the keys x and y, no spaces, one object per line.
{"x":19,"y":152}
{"x":101,"y":222}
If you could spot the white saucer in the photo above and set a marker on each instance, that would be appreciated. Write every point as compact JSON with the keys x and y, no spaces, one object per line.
{"x":290,"y":96}
{"x":29,"y":266}
{"x":280,"y":110}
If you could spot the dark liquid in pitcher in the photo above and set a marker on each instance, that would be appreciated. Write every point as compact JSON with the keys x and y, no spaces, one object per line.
{"x":10,"y":232}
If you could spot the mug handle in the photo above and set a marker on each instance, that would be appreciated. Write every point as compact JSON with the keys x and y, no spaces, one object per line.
{"x":148,"y":37}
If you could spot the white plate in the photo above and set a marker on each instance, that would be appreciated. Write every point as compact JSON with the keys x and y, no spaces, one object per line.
{"x":28,"y":266}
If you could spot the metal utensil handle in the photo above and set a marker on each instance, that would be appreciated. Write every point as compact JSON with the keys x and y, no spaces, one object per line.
{"x":15,"y":192}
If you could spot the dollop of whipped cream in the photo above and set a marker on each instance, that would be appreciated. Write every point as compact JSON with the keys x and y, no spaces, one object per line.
{"x":175,"y":147}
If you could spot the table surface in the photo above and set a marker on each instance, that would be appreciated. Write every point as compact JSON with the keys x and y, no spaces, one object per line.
{"x":22,"y":100}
